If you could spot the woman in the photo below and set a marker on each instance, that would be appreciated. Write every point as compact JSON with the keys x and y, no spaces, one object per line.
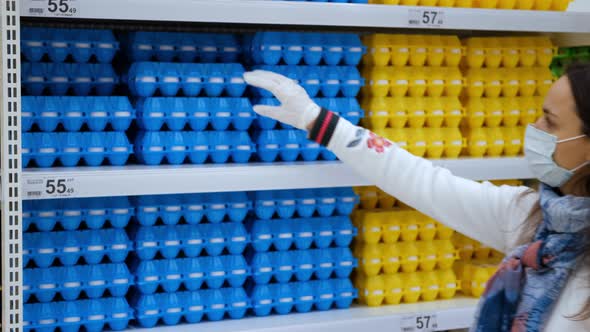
{"x":543,"y":283}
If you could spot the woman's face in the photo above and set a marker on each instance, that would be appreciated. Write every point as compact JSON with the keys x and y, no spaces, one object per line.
{"x":561,"y":119}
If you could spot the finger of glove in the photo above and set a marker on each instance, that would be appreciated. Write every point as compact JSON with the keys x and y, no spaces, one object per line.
{"x":284,"y":86}
{"x":262,"y":81}
{"x":277,"y":78}
{"x":273,"y":112}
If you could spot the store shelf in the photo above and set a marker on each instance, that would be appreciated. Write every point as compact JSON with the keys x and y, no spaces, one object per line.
{"x":315,"y":14}
{"x":449,"y":314}
{"x":145,"y":180}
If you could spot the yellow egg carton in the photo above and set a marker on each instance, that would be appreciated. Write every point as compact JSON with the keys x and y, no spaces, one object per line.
{"x":502,"y":111}
{"x":414,"y":50}
{"x":372,"y":197}
{"x":474,"y":275}
{"x":507,"y":82}
{"x":508,"y":52}
{"x":470,"y":249}
{"x":494,"y":142}
{"x":411,"y":256}
{"x":399,"y":112}
{"x":397,"y":224}
{"x":412,"y":82}
{"x":427,"y":142}
{"x":407,"y":287}
{"x":557,"y":5}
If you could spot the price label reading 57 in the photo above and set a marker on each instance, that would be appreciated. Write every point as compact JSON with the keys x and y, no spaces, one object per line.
{"x":419,"y":323}
{"x":426,"y":18}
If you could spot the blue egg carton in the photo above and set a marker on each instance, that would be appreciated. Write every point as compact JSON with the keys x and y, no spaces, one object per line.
{"x":272,"y":48}
{"x":192,"y":273}
{"x":45,"y":249}
{"x":60,"y":78}
{"x":220,"y":113}
{"x":175,"y":148}
{"x":288,"y":145}
{"x":326,"y":81}
{"x":284,"y":204}
{"x":147,"y":78}
{"x":302,"y":296}
{"x":72,"y":213}
{"x":73,"y":281}
{"x":183,"y":47}
{"x":59,"y":44}
{"x":73,"y":316}
{"x":193,"y":307}
{"x":71,"y":148}
{"x":193,"y":208}
{"x":302,"y":233}
{"x":74,"y":112}
{"x":169,"y":241}
{"x":301,"y":265}
{"x":348,"y":108}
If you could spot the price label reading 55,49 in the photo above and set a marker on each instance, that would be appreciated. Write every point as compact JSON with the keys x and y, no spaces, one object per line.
{"x":59,"y":187}
{"x":61,"y":6}
{"x":52,"y":8}
{"x":49,"y":187}
{"x":426,"y":18}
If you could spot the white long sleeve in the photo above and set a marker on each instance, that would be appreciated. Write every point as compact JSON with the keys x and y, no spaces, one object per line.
{"x":488,"y":213}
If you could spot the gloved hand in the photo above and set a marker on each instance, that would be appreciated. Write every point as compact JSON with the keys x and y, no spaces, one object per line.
{"x":297,"y":109}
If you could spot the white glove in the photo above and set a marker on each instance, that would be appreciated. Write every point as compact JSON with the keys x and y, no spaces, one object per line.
{"x":297,"y":109}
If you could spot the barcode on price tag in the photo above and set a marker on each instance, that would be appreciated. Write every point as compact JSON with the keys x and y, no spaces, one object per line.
{"x":419,"y":323}
{"x":50,"y":187}
{"x":426,"y":18}
{"x":51,"y":8}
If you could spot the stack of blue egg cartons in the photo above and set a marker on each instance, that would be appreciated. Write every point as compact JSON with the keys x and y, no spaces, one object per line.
{"x":68,"y":112}
{"x":325,"y":65}
{"x":190,"y":104}
{"x":188,"y":263}
{"x":300,"y":257}
{"x":75,"y":275}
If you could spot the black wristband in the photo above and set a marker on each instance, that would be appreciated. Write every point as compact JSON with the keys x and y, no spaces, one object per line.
{"x":324,"y":127}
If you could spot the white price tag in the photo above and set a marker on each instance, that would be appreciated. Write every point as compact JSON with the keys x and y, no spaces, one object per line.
{"x":50,"y":187}
{"x":426,"y":18}
{"x":419,"y":323}
{"x":51,"y":8}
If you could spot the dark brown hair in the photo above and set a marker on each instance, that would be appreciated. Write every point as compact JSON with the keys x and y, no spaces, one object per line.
{"x":579,"y":79}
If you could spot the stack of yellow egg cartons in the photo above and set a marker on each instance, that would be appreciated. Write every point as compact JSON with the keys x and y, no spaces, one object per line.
{"x":477,"y":262}
{"x":559,"y":5}
{"x":506,"y":81}
{"x":404,"y":256}
{"x":476,"y":265}
{"x":412,"y":92}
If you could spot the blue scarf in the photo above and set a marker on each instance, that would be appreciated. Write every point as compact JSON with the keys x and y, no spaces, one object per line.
{"x":522,"y":294}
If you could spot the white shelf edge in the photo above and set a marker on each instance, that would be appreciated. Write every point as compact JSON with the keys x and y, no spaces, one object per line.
{"x":147,"y":180}
{"x":323,"y":14}
{"x":450,"y":314}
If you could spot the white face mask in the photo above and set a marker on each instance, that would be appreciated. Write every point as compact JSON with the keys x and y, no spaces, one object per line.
{"x":539,"y":147}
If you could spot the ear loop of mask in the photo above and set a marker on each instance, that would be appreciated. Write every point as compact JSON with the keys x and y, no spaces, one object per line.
{"x":573,"y":170}
{"x":570,"y":139}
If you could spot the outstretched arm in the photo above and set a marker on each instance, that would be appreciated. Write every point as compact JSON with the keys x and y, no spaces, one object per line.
{"x":487,"y":213}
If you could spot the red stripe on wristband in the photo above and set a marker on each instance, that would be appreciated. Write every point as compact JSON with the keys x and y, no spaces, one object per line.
{"x":324,"y":127}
